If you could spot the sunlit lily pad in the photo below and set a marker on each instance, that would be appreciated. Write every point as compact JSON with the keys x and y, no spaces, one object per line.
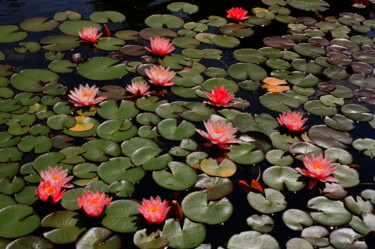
{"x":273,"y":201}
{"x":263,"y":223}
{"x":216,"y":187}
{"x":295,"y":218}
{"x":276,"y":176}
{"x":298,"y":243}
{"x":211,"y":167}
{"x":109,"y":43}
{"x":347,"y":238}
{"x":316,"y":235}
{"x":168,"y":129}
{"x":276,"y":157}
{"x":149,"y":240}
{"x":328,"y":138}
{"x":264,"y":123}
{"x":279,"y":102}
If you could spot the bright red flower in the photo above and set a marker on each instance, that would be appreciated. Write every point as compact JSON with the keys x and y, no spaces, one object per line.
{"x":47,"y":188}
{"x":138,"y":88}
{"x":89,"y":34}
{"x":319,"y":169}
{"x":160,"y":46}
{"x":292,"y":120}
{"x":237,"y":14}
{"x":57,"y":175}
{"x":154,"y":210}
{"x":219,"y":97}
{"x":85,"y":96}
{"x":93,"y":203}
{"x":160,"y":76}
{"x":219,"y":133}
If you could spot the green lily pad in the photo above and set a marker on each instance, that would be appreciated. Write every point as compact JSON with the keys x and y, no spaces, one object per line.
{"x":120,"y":216}
{"x":316,"y":235}
{"x":169,"y":130}
{"x":356,"y":112}
{"x":346,"y":238}
{"x":109,"y":43}
{"x":99,"y":150}
{"x":119,"y":168}
{"x":185,"y":7}
{"x":295,"y":218}
{"x":9,"y":34}
{"x":158,"y":21}
{"x":225,"y":169}
{"x":66,"y":226}
{"x":146,"y":156}
{"x":72,"y":27}
{"x":30,"y":242}
{"x":17,"y":220}
{"x":71,"y":15}
{"x":298,"y":243}
{"x":336,"y":154}
{"x":307,"y":49}
{"x":197,"y":208}
{"x":244,"y":154}
{"x":264,"y":123}
{"x":25,"y":47}
{"x":367,"y":145}
{"x":98,"y":237}
{"x":317,"y":108}
{"x":272,"y":202}
{"x":102,"y":68}
{"x":328,"y":138}
{"x":347,"y":176}
{"x":279,"y":102}
{"x":39,"y":144}
{"x":38,"y":24}
{"x":263,"y":223}
{"x":149,"y":240}
{"x":252,"y":240}
{"x":8,"y":187}
{"x":60,"y":121}
{"x":29,"y":80}
{"x":10,"y":154}
{"x":62,"y":66}
{"x":116,"y":130}
{"x":107,"y":16}
{"x":216,"y":187}
{"x":243,"y":71}
{"x":276,"y":157}
{"x":276,"y":176}
{"x":358,"y":207}
{"x":59,"y":43}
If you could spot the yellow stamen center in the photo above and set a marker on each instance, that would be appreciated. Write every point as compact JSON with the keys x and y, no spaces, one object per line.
{"x":55,"y":177}
{"x":294,"y":120}
{"x":218,"y":130}
{"x":86,"y":95}
{"x":50,"y":190}
{"x":159,"y":73}
{"x":153,"y":209}
{"x":318,"y":166}
{"x":93,"y":202}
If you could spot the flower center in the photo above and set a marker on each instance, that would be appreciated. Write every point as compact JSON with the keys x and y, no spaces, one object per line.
{"x":294,"y":120}
{"x":318,"y":166}
{"x":86,"y":95}
{"x":93,"y":202}
{"x":56,"y":177}
{"x":153,"y":209}
{"x":218,"y":130}
{"x":159,"y":73}
{"x":50,"y":189}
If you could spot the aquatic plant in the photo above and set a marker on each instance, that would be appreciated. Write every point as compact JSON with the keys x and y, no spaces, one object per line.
{"x":93,"y":203}
{"x":160,"y":46}
{"x":219,"y":97}
{"x":292,"y":120}
{"x":154,"y":210}
{"x":85,"y":96}
{"x":89,"y":34}
{"x":160,"y":76}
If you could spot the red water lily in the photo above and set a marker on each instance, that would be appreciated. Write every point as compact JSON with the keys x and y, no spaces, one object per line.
{"x":292,"y":120}
{"x":48,"y":188}
{"x":219,"y":97}
{"x":154,"y":210}
{"x":160,"y":46}
{"x":319,"y":169}
{"x":57,"y":175}
{"x":219,"y":133}
{"x":237,"y":14}
{"x":93,"y":203}
{"x":89,"y":34}
{"x":138,"y":88}
{"x":85,"y":96}
{"x":160,"y":76}
{"x":364,"y":3}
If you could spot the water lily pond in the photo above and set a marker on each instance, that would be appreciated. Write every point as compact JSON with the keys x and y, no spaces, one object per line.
{"x":166,"y":124}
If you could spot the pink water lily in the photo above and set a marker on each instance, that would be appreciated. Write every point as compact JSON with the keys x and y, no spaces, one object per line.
{"x":154,"y":210}
{"x":48,"y":188}
{"x":160,"y":46}
{"x":85,"y":96}
{"x":219,"y":133}
{"x":219,"y":97}
{"x":57,"y":175}
{"x":93,"y":203}
{"x":138,"y":88}
{"x":160,"y":76}
{"x":292,"y":120}
{"x":318,"y":168}
{"x":89,"y":34}
{"x":237,"y":14}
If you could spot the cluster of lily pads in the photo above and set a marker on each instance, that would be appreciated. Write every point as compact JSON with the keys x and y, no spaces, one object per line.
{"x":322,"y":67}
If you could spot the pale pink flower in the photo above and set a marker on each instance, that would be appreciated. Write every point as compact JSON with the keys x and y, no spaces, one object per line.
{"x":89,"y":34}
{"x":160,"y":76}
{"x":154,"y":210}
{"x":47,"y":188}
{"x":219,"y":97}
{"x":237,"y":14}
{"x":138,"y":88}
{"x":219,"y":133}
{"x":93,"y":203}
{"x":85,"y":96}
{"x":160,"y":46}
{"x":319,"y":169}
{"x":292,"y":120}
{"x":57,"y":175}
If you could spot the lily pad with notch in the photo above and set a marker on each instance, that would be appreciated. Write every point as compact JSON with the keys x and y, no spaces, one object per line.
{"x":38,"y":24}
{"x":120,"y":168}
{"x":102,"y":68}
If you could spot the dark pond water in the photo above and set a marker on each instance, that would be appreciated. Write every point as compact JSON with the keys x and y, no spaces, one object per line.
{"x":13,"y":12}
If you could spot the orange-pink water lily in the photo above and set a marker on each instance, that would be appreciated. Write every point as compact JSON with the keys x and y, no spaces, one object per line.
{"x":57,"y":175}
{"x":219,"y":97}
{"x":292,"y":120}
{"x":160,"y":76}
{"x":48,"y":188}
{"x":237,"y":14}
{"x":89,"y":34}
{"x":93,"y":203}
{"x":219,"y":133}
{"x":85,"y":96}
{"x":154,"y":210}
{"x":160,"y":46}
{"x":318,"y":168}
{"x":138,"y":88}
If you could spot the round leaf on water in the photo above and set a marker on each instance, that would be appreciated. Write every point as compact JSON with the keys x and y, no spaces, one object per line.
{"x":339,"y":123}
{"x":102,"y":68}
{"x":272,"y":202}
{"x":244,"y":154}
{"x":109,"y":43}
{"x":119,"y":168}
{"x":229,"y":85}
{"x":279,"y":102}
{"x":252,"y":240}
{"x":328,"y":138}
{"x":60,"y":43}
{"x":356,"y":112}
{"x":336,"y":73}
{"x":211,"y":167}
{"x":66,"y":227}
{"x":150,"y":240}
{"x":225,"y":41}
{"x":120,"y":216}
{"x":85,"y":170}
{"x":99,"y":150}
{"x":185,"y":7}
{"x":158,"y":21}
{"x":147,"y":33}
{"x":26,"y":47}
{"x":358,"y":207}
{"x":30,"y":242}
{"x":298,"y":243}
{"x":72,"y":27}
{"x":307,"y":49}
{"x":8,"y":33}
{"x":109,"y":109}
{"x":367,"y":145}
{"x":29,"y":80}
{"x":243,"y":71}
{"x":40,"y":144}
{"x":190,"y":235}
{"x":304,"y":148}
{"x":346,"y":238}
{"x":180,"y":177}
{"x":98,"y":237}
{"x":116,"y":130}
{"x":276,"y":157}
{"x":69,"y":199}
{"x":309,"y":5}
{"x":107,"y":16}
{"x":260,"y":223}
{"x":264,"y":123}
{"x":130,"y":146}
{"x":62,"y":66}
{"x":249,"y":55}
{"x":17,"y":220}
{"x":71,"y":15}
{"x":295,"y":218}
{"x":341,"y":155}
{"x":276,"y":176}
{"x":122,"y":188}
{"x":347,"y":176}
{"x":38,"y":24}
{"x":330,"y":213}
{"x":197,"y":208}
{"x":10,"y":154}
{"x":169,"y":130}
{"x":60,"y":121}
{"x":216,"y":187}
{"x":316,"y":235}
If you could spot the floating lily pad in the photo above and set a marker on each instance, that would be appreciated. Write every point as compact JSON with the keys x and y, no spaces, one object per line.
{"x":102,"y":68}
{"x":25,"y":47}
{"x":316,"y":235}
{"x":98,"y":150}
{"x":272,"y":202}
{"x":107,"y":16}
{"x":276,"y":157}
{"x":116,"y":130}
{"x":30,"y":242}
{"x":356,"y":112}
{"x":244,"y":154}
{"x":71,"y":15}
{"x":98,"y":237}
{"x":158,"y":21}
{"x":276,"y":176}
{"x":185,"y":7}
{"x":318,"y":108}
{"x":211,"y":167}
{"x":120,"y":216}
{"x":328,"y":138}
{"x":72,"y":27}
{"x":168,"y":129}
{"x":263,"y":224}
{"x":216,"y":187}
{"x":295,"y":218}
{"x":180,"y":177}
{"x":252,"y":240}
{"x":38,"y":24}
{"x":119,"y":168}
{"x":39,"y":144}
{"x":29,"y":79}
{"x":347,"y":238}
{"x":264,"y":123}
{"x":298,"y":243}
{"x":9,"y":34}
{"x":243,"y":71}
{"x":149,"y":240}
{"x":279,"y":102}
